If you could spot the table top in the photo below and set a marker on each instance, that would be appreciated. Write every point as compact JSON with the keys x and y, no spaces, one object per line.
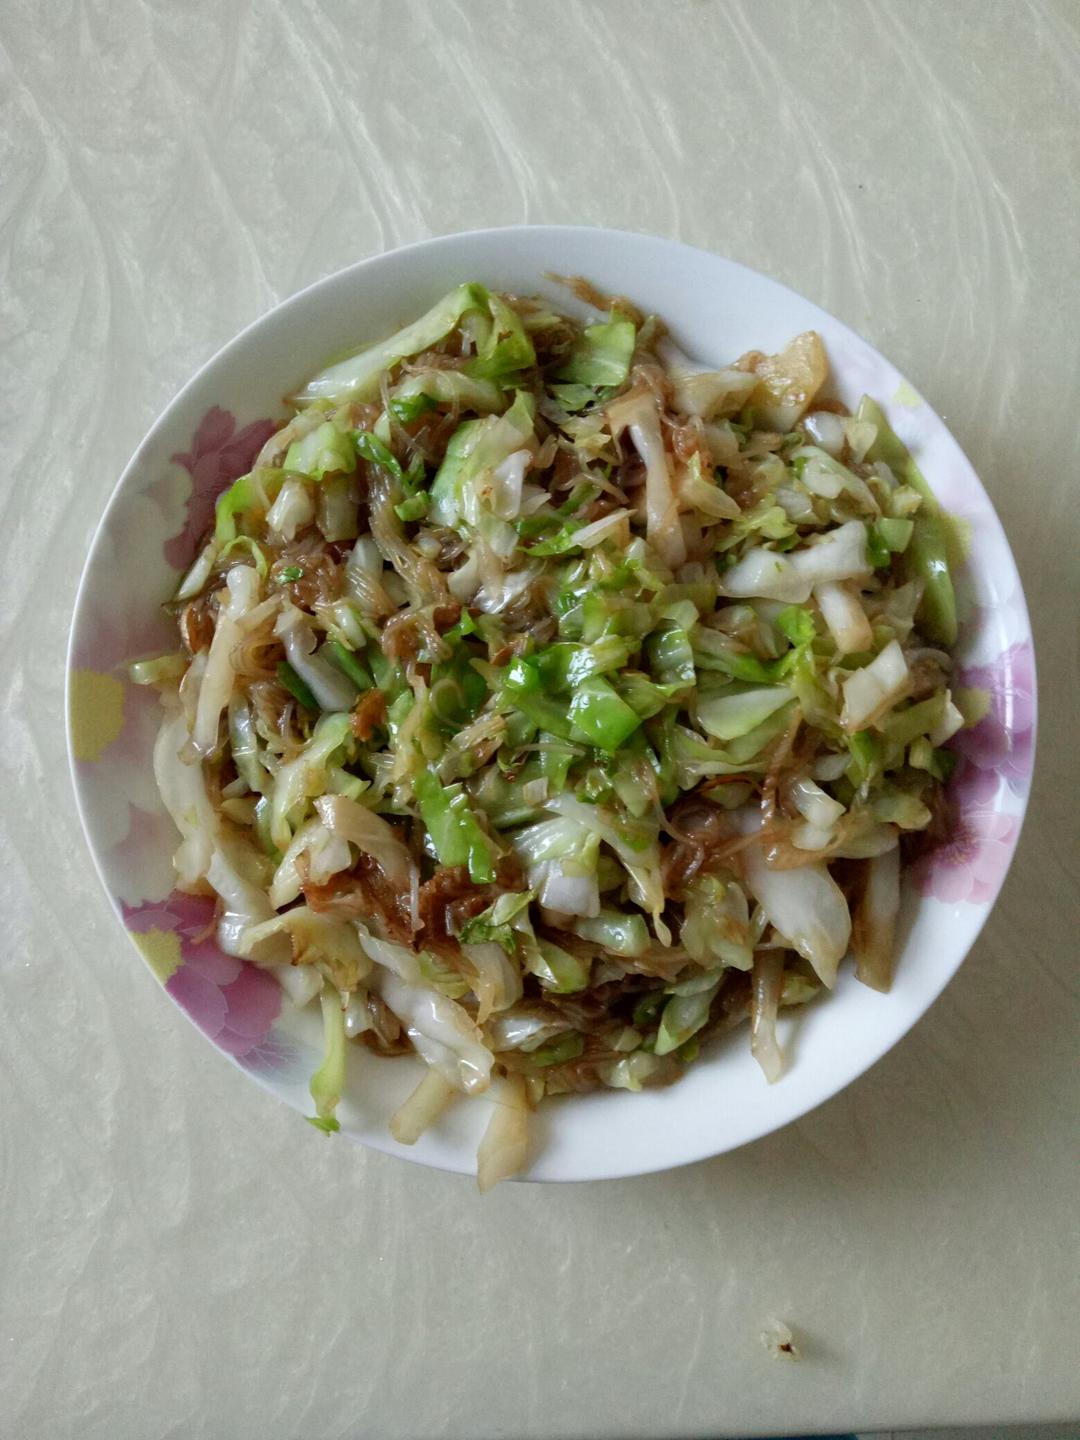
{"x":182,"y":1255}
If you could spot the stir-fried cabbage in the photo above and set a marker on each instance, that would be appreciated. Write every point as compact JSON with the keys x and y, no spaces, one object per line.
{"x":548,"y":702}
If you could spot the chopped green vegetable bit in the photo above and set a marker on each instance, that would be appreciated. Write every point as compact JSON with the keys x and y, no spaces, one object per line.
{"x":407,"y":408}
{"x":295,"y":686}
{"x":648,"y":1008}
{"x":602,"y":356}
{"x":559,"y":1052}
{"x":503,"y":347}
{"x":345,"y":661}
{"x":245,"y":542}
{"x":877,"y":548}
{"x":558,"y":970}
{"x":523,"y":687}
{"x":369,"y":447}
{"x":328,"y":1082}
{"x":895,"y":533}
{"x":865,"y":749}
{"x":453,"y":828}
{"x":621,"y":934}
{"x":326,"y":450}
{"x":600,"y":715}
{"x":414,"y":508}
{"x":797,"y":624}
{"x":574,"y":398}
{"x":683,"y":1016}
{"x":927,"y":553}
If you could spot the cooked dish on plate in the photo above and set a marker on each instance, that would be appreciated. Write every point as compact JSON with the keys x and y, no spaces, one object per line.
{"x":546,"y":704}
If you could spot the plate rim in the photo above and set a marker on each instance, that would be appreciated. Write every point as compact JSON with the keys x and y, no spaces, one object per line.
{"x":609,"y":1170}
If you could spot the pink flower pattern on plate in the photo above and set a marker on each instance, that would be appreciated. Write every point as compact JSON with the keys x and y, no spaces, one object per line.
{"x":972,"y":863}
{"x":232,"y":1002}
{"x":219,"y":454}
{"x":1003,"y":740}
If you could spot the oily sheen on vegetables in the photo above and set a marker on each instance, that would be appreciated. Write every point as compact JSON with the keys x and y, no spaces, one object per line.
{"x":547,"y":704}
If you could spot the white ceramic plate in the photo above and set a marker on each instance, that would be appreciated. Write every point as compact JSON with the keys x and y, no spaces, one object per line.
{"x":163,"y":502}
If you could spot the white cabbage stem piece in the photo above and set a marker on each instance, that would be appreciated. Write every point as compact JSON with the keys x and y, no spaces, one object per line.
{"x":871,"y":692}
{"x":292,"y":510}
{"x":827,"y":430}
{"x":183,"y":791}
{"x":504,"y":1149}
{"x":423,"y":1107}
{"x":637,"y":412}
{"x":874,"y":933}
{"x":843,"y":613}
{"x":701,"y":391}
{"x":370,"y":833}
{"x":330,"y":688}
{"x":442,"y":1032}
{"x":805,"y":905}
{"x":216,"y":689}
{"x":768,"y":575}
{"x":245,"y":906}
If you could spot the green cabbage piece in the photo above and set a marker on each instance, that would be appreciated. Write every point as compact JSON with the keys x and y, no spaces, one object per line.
{"x":445,"y":387}
{"x":358,"y":377}
{"x":741,"y":708}
{"x":684,"y":1016}
{"x":306,"y":777}
{"x":633,"y":1071}
{"x":600,"y":715}
{"x":448,"y":982}
{"x":408,"y":407}
{"x":523,"y":688}
{"x":896,"y":534}
{"x":865,"y":749}
{"x":644,"y":697}
{"x":453,"y":828}
{"x":344,"y":660}
{"x":298,"y":688}
{"x":494,"y":926}
{"x":566,"y":1047}
{"x":715,"y":924}
{"x":670,"y":655}
{"x":253,"y":493}
{"x":602,"y":356}
{"x":556,"y":968}
{"x":621,"y":932}
{"x":928,"y":550}
{"x":476,"y":446}
{"x":323,"y":451}
{"x":574,"y":398}
{"x":255,"y":550}
{"x":798,"y":625}
{"x":502,"y":346}
{"x":564,"y":665}
{"x":329,"y":1079}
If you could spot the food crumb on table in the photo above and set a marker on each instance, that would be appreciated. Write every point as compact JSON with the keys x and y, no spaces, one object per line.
{"x":779,"y":1341}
